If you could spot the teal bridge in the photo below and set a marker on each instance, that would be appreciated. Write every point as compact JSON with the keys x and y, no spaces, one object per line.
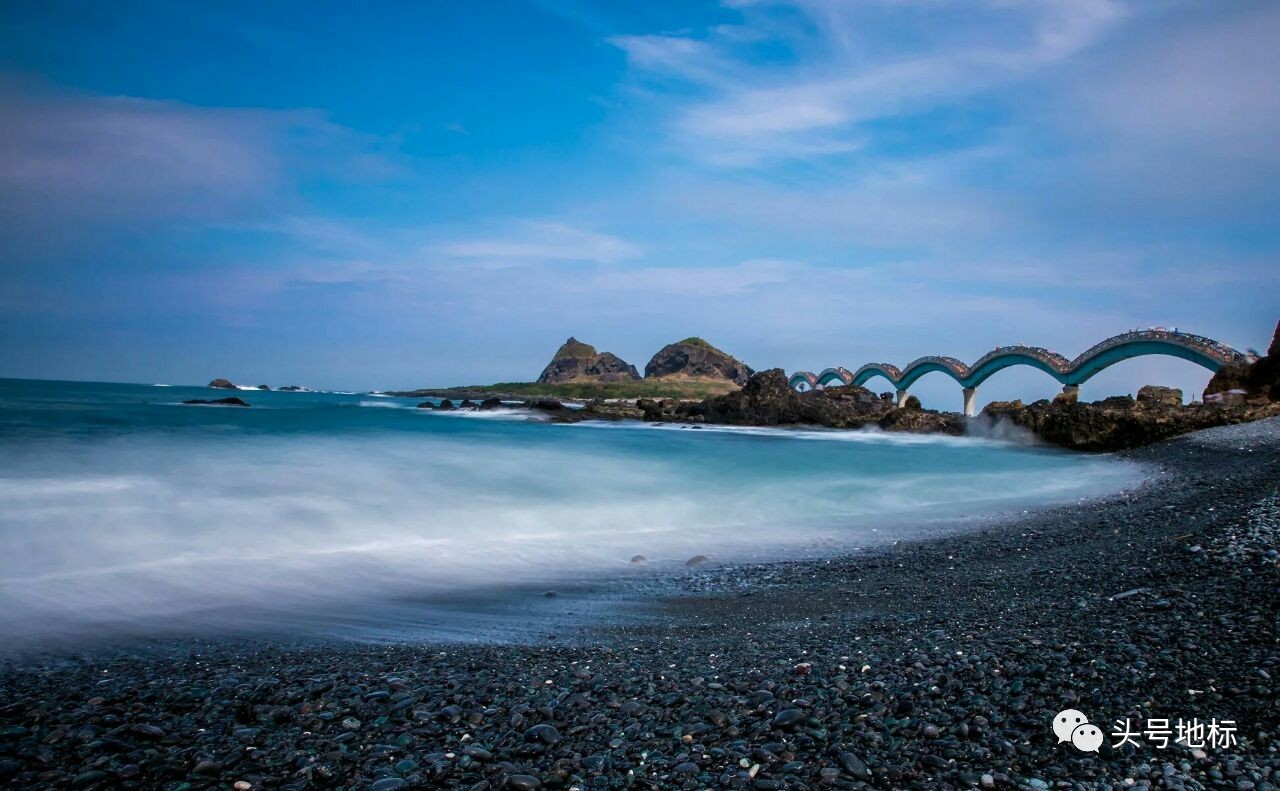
{"x":1070,"y":373}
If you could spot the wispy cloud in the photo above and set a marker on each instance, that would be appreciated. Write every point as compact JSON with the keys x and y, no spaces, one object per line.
{"x":1186,"y":112}
{"x":67,"y":156}
{"x":540,"y":241}
{"x":815,"y":104}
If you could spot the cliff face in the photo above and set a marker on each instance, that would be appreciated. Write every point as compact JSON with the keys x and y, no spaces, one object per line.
{"x":696,"y":359}
{"x":576,"y":361}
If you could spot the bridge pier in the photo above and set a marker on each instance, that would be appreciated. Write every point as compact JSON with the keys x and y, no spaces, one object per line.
{"x":902,"y":399}
{"x":970,"y":399}
{"x":1070,"y":393}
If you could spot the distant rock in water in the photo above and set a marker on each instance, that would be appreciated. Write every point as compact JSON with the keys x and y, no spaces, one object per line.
{"x":230,"y":401}
{"x":576,"y":361}
{"x":264,"y":387}
{"x":547,"y":405}
{"x":694,"y":358}
{"x":293,"y":389}
{"x":222,"y":384}
{"x":1259,"y":380}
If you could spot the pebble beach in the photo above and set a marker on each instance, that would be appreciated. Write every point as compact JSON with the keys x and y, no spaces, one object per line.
{"x":937,"y":663}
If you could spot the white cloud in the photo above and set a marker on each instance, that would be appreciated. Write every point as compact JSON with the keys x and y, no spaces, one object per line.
{"x":128,"y":160}
{"x":543,"y":242}
{"x":749,"y":114}
{"x":1207,"y":86}
{"x":708,"y":282}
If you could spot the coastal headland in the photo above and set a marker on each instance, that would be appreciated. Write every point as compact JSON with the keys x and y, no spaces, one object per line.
{"x":693,"y":382}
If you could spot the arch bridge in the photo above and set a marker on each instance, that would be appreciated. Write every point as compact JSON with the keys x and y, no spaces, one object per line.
{"x":1198,"y":349}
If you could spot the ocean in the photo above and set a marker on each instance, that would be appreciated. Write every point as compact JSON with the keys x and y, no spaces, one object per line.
{"x":124,"y":511}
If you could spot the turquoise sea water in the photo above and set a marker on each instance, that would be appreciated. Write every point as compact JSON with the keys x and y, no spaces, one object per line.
{"x":120,"y":506}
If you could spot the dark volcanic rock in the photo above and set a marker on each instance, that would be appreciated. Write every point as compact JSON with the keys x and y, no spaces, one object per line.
{"x":222,"y":384}
{"x":1159,"y":396}
{"x":767,"y":400}
{"x":697,"y":359}
{"x":547,"y":405}
{"x":576,"y":361}
{"x":1120,"y":421}
{"x":229,"y":401}
{"x":923,"y":421}
{"x":491,"y":403}
{"x":1259,"y":380}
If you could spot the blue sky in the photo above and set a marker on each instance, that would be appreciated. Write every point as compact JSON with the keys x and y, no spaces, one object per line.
{"x":440,"y":193}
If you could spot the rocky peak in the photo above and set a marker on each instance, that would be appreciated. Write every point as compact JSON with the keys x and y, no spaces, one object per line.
{"x":576,"y":361}
{"x":694,"y":358}
{"x":574,"y":349}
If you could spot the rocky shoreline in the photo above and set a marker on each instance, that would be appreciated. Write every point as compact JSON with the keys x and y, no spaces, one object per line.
{"x":1236,"y":394}
{"x":936,"y":664}
{"x":768,"y":400}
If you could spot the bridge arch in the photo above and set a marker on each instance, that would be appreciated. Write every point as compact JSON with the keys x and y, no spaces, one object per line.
{"x":872,"y":370}
{"x":1202,"y":351}
{"x":802,"y":378}
{"x":1198,"y":349}
{"x":995,"y":360}
{"x":925,"y":365}
{"x":834,"y":376}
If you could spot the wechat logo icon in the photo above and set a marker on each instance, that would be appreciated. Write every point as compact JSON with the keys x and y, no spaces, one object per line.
{"x":1072,"y":726}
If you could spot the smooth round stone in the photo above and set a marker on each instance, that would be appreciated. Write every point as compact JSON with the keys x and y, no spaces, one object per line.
{"x":88,"y":778}
{"x":523,"y":782}
{"x":788,"y":718}
{"x":547,"y":734}
{"x":350,"y":723}
{"x":406,"y":766}
{"x":387,"y":784}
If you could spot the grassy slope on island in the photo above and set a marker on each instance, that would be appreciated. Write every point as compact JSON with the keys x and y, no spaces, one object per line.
{"x":575,"y":348}
{"x":640,"y":388}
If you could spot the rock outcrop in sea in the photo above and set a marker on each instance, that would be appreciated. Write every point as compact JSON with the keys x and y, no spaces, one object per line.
{"x":1111,"y":424}
{"x":576,"y":361}
{"x":767,"y":400}
{"x":230,"y":401}
{"x":1122,"y":421}
{"x":694,"y":358}
{"x":222,"y":384}
{"x":1236,"y":394}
